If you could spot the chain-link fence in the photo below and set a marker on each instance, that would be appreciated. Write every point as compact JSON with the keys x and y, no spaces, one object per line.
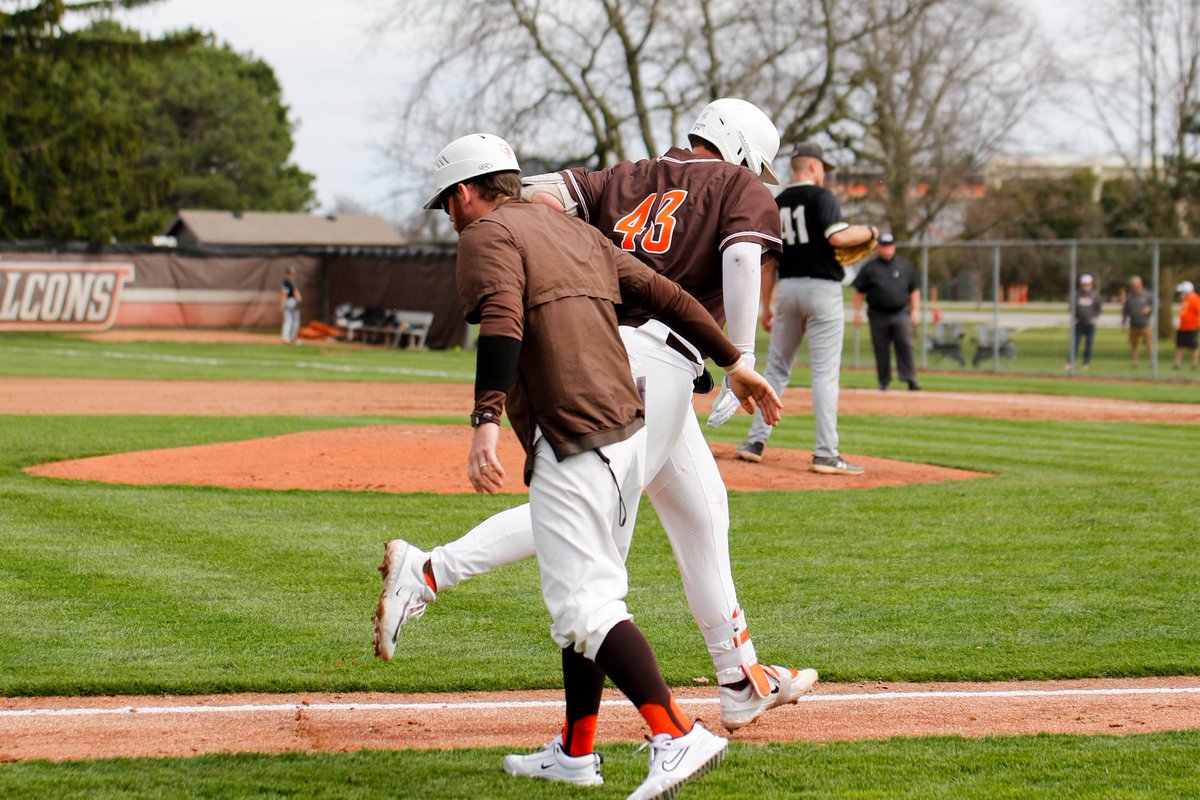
{"x":1023,"y":307}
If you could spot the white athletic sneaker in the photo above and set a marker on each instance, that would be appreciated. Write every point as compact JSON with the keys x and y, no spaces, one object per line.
{"x":674,"y":762}
{"x":552,"y":764}
{"x":782,"y":686}
{"x":405,"y":594}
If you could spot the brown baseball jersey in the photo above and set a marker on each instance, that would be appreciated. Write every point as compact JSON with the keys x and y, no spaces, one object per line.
{"x":677,"y":213}
{"x":573,"y":378}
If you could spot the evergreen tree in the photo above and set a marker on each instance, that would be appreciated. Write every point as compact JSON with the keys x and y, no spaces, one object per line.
{"x":104,"y":135}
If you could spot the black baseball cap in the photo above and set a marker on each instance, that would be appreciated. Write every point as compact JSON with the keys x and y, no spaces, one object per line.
{"x":812,"y":150}
{"x":887,"y":238}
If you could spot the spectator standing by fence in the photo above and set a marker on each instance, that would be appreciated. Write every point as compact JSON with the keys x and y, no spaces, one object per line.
{"x":1137,"y":313}
{"x":889,"y":285}
{"x":289,"y":304}
{"x":1186,"y":338}
{"x":1084,"y":314}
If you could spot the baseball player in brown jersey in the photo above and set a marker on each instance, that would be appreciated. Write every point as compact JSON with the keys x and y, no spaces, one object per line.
{"x":543,"y":289}
{"x":703,"y":219}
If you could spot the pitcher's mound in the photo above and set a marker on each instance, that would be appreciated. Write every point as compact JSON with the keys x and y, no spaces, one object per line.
{"x":425,"y":458}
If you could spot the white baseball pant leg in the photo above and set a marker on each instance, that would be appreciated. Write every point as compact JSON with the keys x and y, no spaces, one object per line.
{"x":812,"y":307}
{"x":583,"y":512}
{"x":689,"y":495}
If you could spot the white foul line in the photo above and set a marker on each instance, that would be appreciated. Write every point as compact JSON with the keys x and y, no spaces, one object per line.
{"x":811,"y":698}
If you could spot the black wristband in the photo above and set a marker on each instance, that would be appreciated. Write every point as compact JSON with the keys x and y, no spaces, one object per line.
{"x":496,"y":362}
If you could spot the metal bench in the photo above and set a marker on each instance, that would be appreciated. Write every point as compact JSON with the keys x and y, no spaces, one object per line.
{"x":992,"y":341}
{"x":403,"y":328}
{"x":946,"y":341}
{"x":411,"y":328}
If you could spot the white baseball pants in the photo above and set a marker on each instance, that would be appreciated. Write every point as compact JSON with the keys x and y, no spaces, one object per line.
{"x":583,"y":512}
{"x":685,"y":488}
{"x":814,"y":307}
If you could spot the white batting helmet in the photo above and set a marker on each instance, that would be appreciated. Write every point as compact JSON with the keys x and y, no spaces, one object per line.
{"x":741,"y":132}
{"x":469,"y":157}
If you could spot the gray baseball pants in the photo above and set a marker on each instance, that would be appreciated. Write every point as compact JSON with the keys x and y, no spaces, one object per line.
{"x":815,"y":307}
{"x":291,"y":320}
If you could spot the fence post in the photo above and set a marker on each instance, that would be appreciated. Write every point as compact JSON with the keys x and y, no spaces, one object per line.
{"x":995,"y":308}
{"x":1074,"y":261}
{"x":924,"y":303}
{"x":1154,"y":266}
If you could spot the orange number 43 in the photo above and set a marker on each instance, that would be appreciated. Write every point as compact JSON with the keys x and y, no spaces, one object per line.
{"x":658,"y":238}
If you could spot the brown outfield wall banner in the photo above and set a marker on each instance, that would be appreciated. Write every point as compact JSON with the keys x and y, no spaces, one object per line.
{"x":187,"y":291}
{"x":198,"y":289}
{"x":161,"y":289}
{"x":53,"y":296}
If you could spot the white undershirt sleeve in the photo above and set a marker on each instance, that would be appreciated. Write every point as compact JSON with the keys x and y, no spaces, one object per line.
{"x":740,"y":264}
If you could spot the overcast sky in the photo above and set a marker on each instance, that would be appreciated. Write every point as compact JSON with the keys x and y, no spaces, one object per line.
{"x":338,"y":81}
{"x":333,"y":79}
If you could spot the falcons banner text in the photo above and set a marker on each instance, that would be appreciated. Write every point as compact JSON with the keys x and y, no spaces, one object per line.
{"x":61,"y":296}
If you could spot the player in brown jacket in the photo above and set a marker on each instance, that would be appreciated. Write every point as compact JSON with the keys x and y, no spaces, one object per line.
{"x":544,"y":289}
{"x":702,"y":217}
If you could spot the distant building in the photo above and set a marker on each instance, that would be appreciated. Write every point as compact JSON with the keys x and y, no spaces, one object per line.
{"x":862,"y":190}
{"x":1001,"y":168}
{"x":281,"y":229}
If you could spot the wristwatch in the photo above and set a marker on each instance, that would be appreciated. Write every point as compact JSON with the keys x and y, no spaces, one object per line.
{"x":485,"y":417}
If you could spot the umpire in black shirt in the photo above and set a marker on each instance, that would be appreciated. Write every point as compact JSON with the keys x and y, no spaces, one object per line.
{"x":890,"y":286}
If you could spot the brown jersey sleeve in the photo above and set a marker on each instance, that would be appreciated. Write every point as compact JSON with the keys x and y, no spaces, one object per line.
{"x":587,"y":189}
{"x":750,"y":214}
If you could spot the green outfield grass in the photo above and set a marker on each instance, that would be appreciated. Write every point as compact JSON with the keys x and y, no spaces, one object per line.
{"x":1037,"y":371}
{"x":1145,"y":766}
{"x":1077,"y":560}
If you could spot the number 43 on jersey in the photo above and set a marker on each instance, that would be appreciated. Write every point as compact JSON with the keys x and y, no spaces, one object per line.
{"x":655,"y":229}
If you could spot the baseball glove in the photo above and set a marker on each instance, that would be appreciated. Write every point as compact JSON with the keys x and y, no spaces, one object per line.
{"x":856,"y":252}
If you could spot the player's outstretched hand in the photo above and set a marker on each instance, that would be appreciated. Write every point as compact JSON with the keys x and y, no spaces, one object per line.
{"x":484,"y":469}
{"x":753,"y":390}
{"x":726,"y":403}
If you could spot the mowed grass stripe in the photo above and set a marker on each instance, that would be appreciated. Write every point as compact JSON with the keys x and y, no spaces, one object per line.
{"x":1141,"y":766}
{"x":57,"y":355}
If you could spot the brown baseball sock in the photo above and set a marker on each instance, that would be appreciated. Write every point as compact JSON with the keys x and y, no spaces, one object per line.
{"x":626,"y":657}
{"x":584,"y":681}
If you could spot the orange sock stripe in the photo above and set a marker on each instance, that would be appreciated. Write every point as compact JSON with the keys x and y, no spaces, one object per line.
{"x":427,"y":573}
{"x":580,"y":737}
{"x":670,"y":720}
